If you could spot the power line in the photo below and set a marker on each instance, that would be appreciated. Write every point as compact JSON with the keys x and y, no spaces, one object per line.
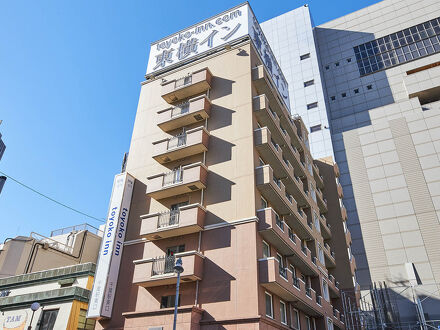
{"x":51,"y":199}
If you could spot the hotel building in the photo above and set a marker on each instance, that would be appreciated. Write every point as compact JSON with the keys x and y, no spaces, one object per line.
{"x":369,"y":83}
{"x":226,"y":182}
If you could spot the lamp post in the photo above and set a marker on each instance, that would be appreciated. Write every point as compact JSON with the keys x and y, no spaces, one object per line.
{"x":34,"y":307}
{"x":179,"y":269}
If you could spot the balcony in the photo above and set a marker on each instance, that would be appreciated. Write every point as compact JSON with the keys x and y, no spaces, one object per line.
{"x":329,"y":256}
{"x":159,"y":271}
{"x":296,"y":186}
{"x":187,"y":219}
{"x":332,"y":284}
{"x":264,"y":85}
{"x":348,"y":237}
{"x":192,"y":142}
{"x":188,"y":86}
{"x":321,"y":201}
{"x":318,"y":177}
{"x":272,"y":152}
{"x":353,"y":264}
{"x":184,"y":180}
{"x":343,"y":213}
{"x":336,"y":170}
{"x":340,"y":191}
{"x":325,"y":227}
{"x":272,"y":188}
{"x":187,"y":113}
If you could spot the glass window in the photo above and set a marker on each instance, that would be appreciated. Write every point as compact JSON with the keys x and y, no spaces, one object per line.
{"x":168,"y":301}
{"x":325,"y":290}
{"x":266,"y":250}
{"x":308,"y":323}
{"x":316,"y":220}
{"x":309,"y":83}
{"x":304,"y":56}
{"x":83,"y":322}
{"x":263,"y":203}
{"x":295,"y":320}
{"x":329,"y":324}
{"x":315,"y":128}
{"x":312,"y":105}
{"x":321,"y":254}
{"x":269,"y":306}
{"x":283,"y":315}
{"x":48,"y":319}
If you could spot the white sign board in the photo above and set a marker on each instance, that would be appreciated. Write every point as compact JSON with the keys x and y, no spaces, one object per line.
{"x":212,"y":34}
{"x":109,"y":260}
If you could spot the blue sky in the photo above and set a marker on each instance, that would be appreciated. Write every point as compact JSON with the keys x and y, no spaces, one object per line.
{"x":69,"y":86}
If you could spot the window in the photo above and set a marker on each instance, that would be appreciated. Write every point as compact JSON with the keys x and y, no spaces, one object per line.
{"x":283,"y":314}
{"x":349,"y":60}
{"x":356,"y":91}
{"x":295,"y":320}
{"x":263,"y":203}
{"x":269,"y":305}
{"x":333,"y":98}
{"x":315,"y":128}
{"x":329,"y":324}
{"x":48,"y":319}
{"x":83,"y":322}
{"x":325,"y":290}
{"x":308,"y":323}
{"x":337,"y":64}
{"x":398,"y":48}
{"x":321,"y":254}
{"x":327,"y":67}
{"x":369,"y":87}
{"x":313,"y":324}
{"x":169,"y":301}
{"x":266,"y":250}
{"x":304,"y":56}
{"x":344,"y":94}
{"x":316,"y":220}
{"x":312,"y":105}
{"x":309,"y":83}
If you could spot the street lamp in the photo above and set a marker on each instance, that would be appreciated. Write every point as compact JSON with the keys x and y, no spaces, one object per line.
{"x":34,"y":307}
{"x":179,"y":269}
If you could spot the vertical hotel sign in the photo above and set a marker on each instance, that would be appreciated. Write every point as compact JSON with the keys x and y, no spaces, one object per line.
{"x":212,"y":35}
{"x":107,"y":270}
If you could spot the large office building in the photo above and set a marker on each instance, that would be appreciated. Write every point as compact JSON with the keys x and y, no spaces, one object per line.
{"x":369,"y":82}
{"x":221,"y":177}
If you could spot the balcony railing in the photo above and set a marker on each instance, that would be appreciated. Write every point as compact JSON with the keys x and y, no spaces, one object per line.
{"x":309,"y":292}
{"x":168,"y":219}
{"x":292,"y":236}
{"x":319,"y":300}
{"x":283,"y":272}
{"x":304,"y":249}
{"x":183,"y":180}
{"x":180,"y":109}
{"x":163,"y":265}
{"x":279,"y":222}
{"x":178,"y":89}
{"x":176,"y":141}
{"x":296,"y":282}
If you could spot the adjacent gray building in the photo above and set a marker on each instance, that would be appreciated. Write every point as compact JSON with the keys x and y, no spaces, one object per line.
{"x":376,"y":86}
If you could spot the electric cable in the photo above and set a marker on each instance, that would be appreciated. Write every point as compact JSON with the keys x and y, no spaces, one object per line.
{"x":52,"y":199}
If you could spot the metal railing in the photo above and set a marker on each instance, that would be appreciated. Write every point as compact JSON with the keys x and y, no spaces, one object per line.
{"x":277,"y":181}
{"x":283,"y":272}
{"x":279,"y":222}
{"x":84,"y":226}
{"x":183,"y":81}
{"x":167,"y":219}
{"x":296,"y":282}
{"x":319,"y":300}
{"x":163,"y":265}
{"x":180,"y":109}
{"x":177,"y":141}
{"x":275,"y":145}
{"x":309,"y":292}
{"x":314,"y":260}
{"x":52,"y":243}
{"x":292,"y":236}
{"x":303,"y":249}
{"x":172,"y":177}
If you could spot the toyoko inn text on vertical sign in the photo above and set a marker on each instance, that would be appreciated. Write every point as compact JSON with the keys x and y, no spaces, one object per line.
{"x":107,"y":270}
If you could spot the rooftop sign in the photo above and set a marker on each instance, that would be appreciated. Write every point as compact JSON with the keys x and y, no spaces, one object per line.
{"x":213,"y":34}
